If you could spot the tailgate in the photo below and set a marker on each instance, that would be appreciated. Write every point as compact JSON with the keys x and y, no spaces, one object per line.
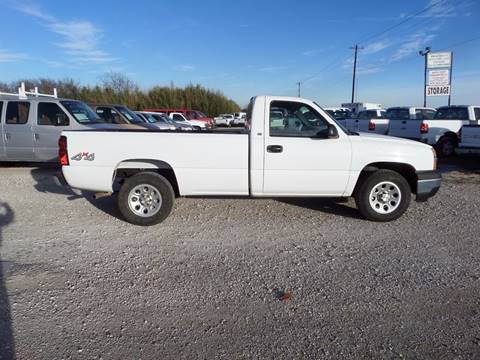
{"x":409,"y":129}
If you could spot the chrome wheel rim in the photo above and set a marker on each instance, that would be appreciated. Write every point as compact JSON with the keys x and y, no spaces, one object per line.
{"x":145,"y":200}
{"x":385,"y":197}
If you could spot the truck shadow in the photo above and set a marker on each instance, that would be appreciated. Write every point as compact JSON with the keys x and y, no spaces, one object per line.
{"x":335,"y":206}
{"x":7,"y":343}
{"x":468,"y":164}
{"x":45,"y":181}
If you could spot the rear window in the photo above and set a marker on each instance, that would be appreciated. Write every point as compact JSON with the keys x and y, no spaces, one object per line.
{"x":452,"y":113}
{"x":17,"y":112}
{"x":398,"y":114}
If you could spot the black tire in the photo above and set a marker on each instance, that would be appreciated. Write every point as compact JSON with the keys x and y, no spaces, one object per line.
{"x":161,"y":184}
{"x":369,"y":182}
{"x":446,"y":146}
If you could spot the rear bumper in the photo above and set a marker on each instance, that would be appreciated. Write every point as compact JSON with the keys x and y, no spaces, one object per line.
{"x":428,"y":183}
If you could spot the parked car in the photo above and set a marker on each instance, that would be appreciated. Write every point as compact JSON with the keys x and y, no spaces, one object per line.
{"x":373,"y":121}
{"x":180,"y":118}
{"x":339,"y":113}
{"x":120,"y":114}
{"x":149,"y":119}
{"x":238,"y":119}
{"x":31,"y":124}
{"x":441,"y":131}
{"x":224,"y":120}
{"x":380,"y":172}
{"x":402,"y":117}
{"x":163,"y":118}
{"x":356,"y":107}
{"x":193,"y":115}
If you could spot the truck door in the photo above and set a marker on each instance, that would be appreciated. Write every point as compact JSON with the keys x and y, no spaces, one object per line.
{"x":17,"y":132}
{"x":50,"y":121}
{"x":299,"y":163}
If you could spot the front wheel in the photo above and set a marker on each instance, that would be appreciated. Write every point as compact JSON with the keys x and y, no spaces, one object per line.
{"x":146,"y":199}
{"x":383,"y":195}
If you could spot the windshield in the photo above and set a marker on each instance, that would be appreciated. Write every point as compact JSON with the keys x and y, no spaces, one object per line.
{"x":345,"y":130}
{"x":162,"y":118}
{"x":129,"y":114}
{"x":454,"y":113}
{"x":81,"y":112}
{"x":150,"y":118}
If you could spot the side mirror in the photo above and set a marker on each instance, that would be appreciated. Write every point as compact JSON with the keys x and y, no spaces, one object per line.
{"x":61,"y":120}
{"x":332,"y":132}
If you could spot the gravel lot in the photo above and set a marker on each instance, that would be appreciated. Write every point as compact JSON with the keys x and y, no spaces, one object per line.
{"x":237,"y":278}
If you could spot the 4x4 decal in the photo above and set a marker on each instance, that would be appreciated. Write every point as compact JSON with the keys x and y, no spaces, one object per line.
{"x":83,"y":156}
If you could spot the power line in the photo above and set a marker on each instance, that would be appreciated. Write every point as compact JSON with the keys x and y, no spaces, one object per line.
{"x":408,"y":18}
{"x":452,"y":46}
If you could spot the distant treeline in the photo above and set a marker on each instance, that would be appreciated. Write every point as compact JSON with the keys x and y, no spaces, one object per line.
{"x":118,"y":89}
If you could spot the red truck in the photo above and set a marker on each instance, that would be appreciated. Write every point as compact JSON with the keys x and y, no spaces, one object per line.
{"x":189,"y":114}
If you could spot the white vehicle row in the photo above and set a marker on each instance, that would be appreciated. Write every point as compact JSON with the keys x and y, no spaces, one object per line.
{"x":437,"y":127}
{"x":235,"y":119}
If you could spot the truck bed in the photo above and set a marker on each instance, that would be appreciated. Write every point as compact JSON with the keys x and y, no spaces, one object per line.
{"x":205,"y":162}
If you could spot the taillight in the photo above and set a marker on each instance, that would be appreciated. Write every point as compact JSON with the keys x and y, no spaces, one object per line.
{"x":424,"y":128}
{"x":371,"y":126}
{"x":62,"y":151}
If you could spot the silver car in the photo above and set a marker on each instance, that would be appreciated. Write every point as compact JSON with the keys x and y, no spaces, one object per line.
{"x":30,"y":126}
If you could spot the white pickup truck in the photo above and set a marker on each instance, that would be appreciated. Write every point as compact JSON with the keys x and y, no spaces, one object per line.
{"x":307,"y":154}
{"x":441,"y":130}
{"x":373,"y":121}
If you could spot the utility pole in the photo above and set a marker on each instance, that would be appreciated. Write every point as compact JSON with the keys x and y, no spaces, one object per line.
{"x":356,"y":48}
{"x":450,"y":81}
{"x":425,"y":53}
{"x":299,"y":84}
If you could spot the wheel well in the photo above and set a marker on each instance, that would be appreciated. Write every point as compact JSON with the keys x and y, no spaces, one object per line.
{"x":406,"y":170}
{"x":450,"y":134}
{"x":129,"y":168}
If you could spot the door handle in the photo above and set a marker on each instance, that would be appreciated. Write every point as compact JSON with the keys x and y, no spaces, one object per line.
{"x":36,"y":136}
{"x":274,"y":148}
{"x":404,"y":122}
{"x":7,"y":136}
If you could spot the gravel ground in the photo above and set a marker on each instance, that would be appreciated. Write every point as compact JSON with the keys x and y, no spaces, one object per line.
{"x":237,"y":278}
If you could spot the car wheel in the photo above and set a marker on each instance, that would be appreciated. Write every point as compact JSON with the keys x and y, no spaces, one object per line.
{"x":146,"y":199}
{"x":383,"y":195}
{"x":446,"y":146}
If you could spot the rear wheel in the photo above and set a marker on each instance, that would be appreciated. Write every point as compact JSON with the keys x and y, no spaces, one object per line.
{"x":383,"y":195}
{"x":146,"y":199}
{"x":446,"y":146}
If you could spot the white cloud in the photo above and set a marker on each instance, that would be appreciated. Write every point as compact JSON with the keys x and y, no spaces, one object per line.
{"x":8,"y":56}
{"x":414,"y":43}
{"x":184,"y":67}
{"x":80,"y":39}
{"x":376,"y":47}
{"x":272,"y":69}
{"x":311,"y":52}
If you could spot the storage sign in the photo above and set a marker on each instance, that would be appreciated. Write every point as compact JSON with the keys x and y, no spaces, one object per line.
{"x":439,"y":77}
{"x":439,"y":60}
{"x":438,"y":90}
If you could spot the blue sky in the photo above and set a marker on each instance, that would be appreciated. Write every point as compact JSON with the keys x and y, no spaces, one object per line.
{"x":245,"y":48}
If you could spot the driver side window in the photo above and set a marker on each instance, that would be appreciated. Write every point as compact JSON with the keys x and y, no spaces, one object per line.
{"x":295,"y":119}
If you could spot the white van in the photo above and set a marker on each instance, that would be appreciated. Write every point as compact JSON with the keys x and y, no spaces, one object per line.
{"x":31,"y":123}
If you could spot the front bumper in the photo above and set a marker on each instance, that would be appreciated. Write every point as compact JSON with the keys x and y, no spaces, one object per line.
{"x":428,"y":183}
